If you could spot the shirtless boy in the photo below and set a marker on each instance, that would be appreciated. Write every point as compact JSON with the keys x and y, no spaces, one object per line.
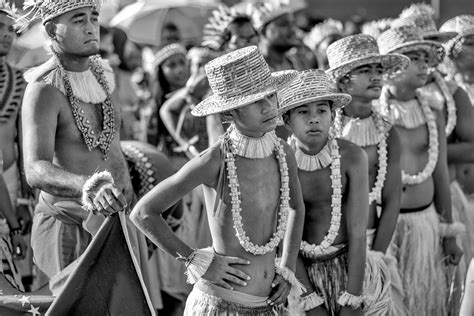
{"x":334,"y":181}
{"x":252,"y":196}
{"x":425,"y":200}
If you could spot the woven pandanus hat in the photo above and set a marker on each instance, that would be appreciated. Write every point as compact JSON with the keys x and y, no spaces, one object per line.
{"x":240,"y":78}
{"x":268,"y":11}
{"x":310,"y":86}
{"x":357,"y":50}
{"x":463,"y":25}
{"x":422,"y":16}
{"x":407,"y":38}
{"x":49,"y":9}
{"x":168,"y":51}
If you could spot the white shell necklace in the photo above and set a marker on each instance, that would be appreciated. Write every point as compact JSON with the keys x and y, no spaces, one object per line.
{"x":367,"y":132}
{"x":236,"y":201}
{"x":336,"y":211}
{"x":433,"y":150}
{"x":311,"y":162}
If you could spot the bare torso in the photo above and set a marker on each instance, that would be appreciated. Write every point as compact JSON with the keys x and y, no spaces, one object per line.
{"x":72,"y":154}
{"x":259,"y":181}
{"x":8,"y":133}
{"x":317,"y":193}
{"x":373,"y":158}
{"x":413,"y":159}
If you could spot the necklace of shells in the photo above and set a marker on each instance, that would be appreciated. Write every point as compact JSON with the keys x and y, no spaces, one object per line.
{"x":336,"y":212}
{"x":450,"y":104}
{"x":234,"y":141}
{"x":433,"y":150}
{"x":104,"y":138}
{"x":376,"y":193}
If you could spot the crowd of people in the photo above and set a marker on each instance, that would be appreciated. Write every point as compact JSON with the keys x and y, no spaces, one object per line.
{"x":289,"y":172}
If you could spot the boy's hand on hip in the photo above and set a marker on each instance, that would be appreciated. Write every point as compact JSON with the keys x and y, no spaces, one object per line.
{"x":221,"y":272}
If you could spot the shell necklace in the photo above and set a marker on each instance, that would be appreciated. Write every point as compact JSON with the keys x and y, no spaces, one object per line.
{"x":235,"y":195}
{"x":336,"y":211}
{"x":367,"y":132}
{"x":433,"y":150}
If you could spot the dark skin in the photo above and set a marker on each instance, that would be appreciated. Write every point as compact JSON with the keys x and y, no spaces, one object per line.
{"x":364,"y":84}
{"x":310,"y":124}
{"x":233,"y":267}
{"x":56,"y":158}
{"x":413,"y":144}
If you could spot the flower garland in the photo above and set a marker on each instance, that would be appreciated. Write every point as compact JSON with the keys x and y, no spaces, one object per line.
{"x":106,"y":136}
{"x":450,"y":104}
{"x":433,"y":150}
{"x":336,"y":210}
{"x":236,"y":201}
{"x":376,"y":193}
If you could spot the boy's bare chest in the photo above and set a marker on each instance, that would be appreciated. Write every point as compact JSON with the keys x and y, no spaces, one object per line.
{"x":373,"y":158}
{"x":415,"y":140}
{"x":317,"y":189}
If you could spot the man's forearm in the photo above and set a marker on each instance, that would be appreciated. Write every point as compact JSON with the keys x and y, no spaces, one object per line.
{"x":54,"y":180}
{"x":292,"y":241}
{"x":356,"y":261}
{"x":386,"y":226}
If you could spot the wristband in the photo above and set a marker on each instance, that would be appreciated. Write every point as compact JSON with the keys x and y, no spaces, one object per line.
{"x":347,"y":299}
{"x":90,"y":188}
{"x":297,"y":289}
{"x":197,"y":263}
{"x":311,"y":301}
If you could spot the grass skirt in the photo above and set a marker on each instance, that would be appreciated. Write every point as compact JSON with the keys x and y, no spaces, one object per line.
{"x":417,"y":248}
{"x":207,"y":299}
{"x":329,"y":275}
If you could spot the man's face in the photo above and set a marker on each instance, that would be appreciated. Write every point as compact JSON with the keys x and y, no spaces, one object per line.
{"x":465,"y":57}
{"x":416,"y":75}
{"x":241,"y":35}
{"x":257,"y":118}
{"x":77,"y":32}
{"x":280,"y":32}
{"x":311,"y":122}
{"x":7,"y":34}
{"x":364,"y":82}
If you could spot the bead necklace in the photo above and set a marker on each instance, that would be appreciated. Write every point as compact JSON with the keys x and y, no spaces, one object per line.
{"x":236,"y":201}
{"x":336,"y":211}
{"x":450,"y":104}
{"x":368,"y":134}
{"x":106,"y":136}
{"x":433,"y":149}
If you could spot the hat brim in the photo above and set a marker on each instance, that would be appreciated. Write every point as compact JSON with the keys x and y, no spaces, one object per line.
{"x":218,"y":104}
{"x":449,"y":45}
{"x":440,"y":36}
{"x":391,"y":63}
{"x":434,"y":49}
{"x":339,"y":100}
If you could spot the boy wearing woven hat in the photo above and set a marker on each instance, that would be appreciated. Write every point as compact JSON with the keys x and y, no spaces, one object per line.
{"x":425,"y":228}
{"x":333,"y":250}
{"x":71,"y":145}
{"x":252,"y":197}
{"x":357,"y":67}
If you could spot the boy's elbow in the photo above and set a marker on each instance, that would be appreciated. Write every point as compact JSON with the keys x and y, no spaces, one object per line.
{"x":139,"y":214}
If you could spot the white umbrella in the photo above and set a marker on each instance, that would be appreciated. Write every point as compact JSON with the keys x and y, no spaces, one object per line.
{"x":144,"y":20}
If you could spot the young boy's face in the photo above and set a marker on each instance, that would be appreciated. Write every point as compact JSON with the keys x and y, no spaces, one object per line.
{"x":257,"y":118}
{"x":311,"y":122}
{"x":363,"y":82}
{"x":416,"y":75}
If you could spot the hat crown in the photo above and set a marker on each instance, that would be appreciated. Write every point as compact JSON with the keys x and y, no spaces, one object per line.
{"x":460,"y":24}
{"x":397,"y":36}
{"x":239,"y":73}
{"x":424,"y":22}
{"x":351,"y":47}
{"x":309,"y":84}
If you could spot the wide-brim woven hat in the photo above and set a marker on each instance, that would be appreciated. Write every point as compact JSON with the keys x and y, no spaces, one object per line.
{"x":407,"y":38}
{"x":310,"y":86}
{"x":357,"y":50}
{"x":463,"y":25}
{"x":240,"y":78}
{"x":422,"y":16}
{"x":47,"y":10}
